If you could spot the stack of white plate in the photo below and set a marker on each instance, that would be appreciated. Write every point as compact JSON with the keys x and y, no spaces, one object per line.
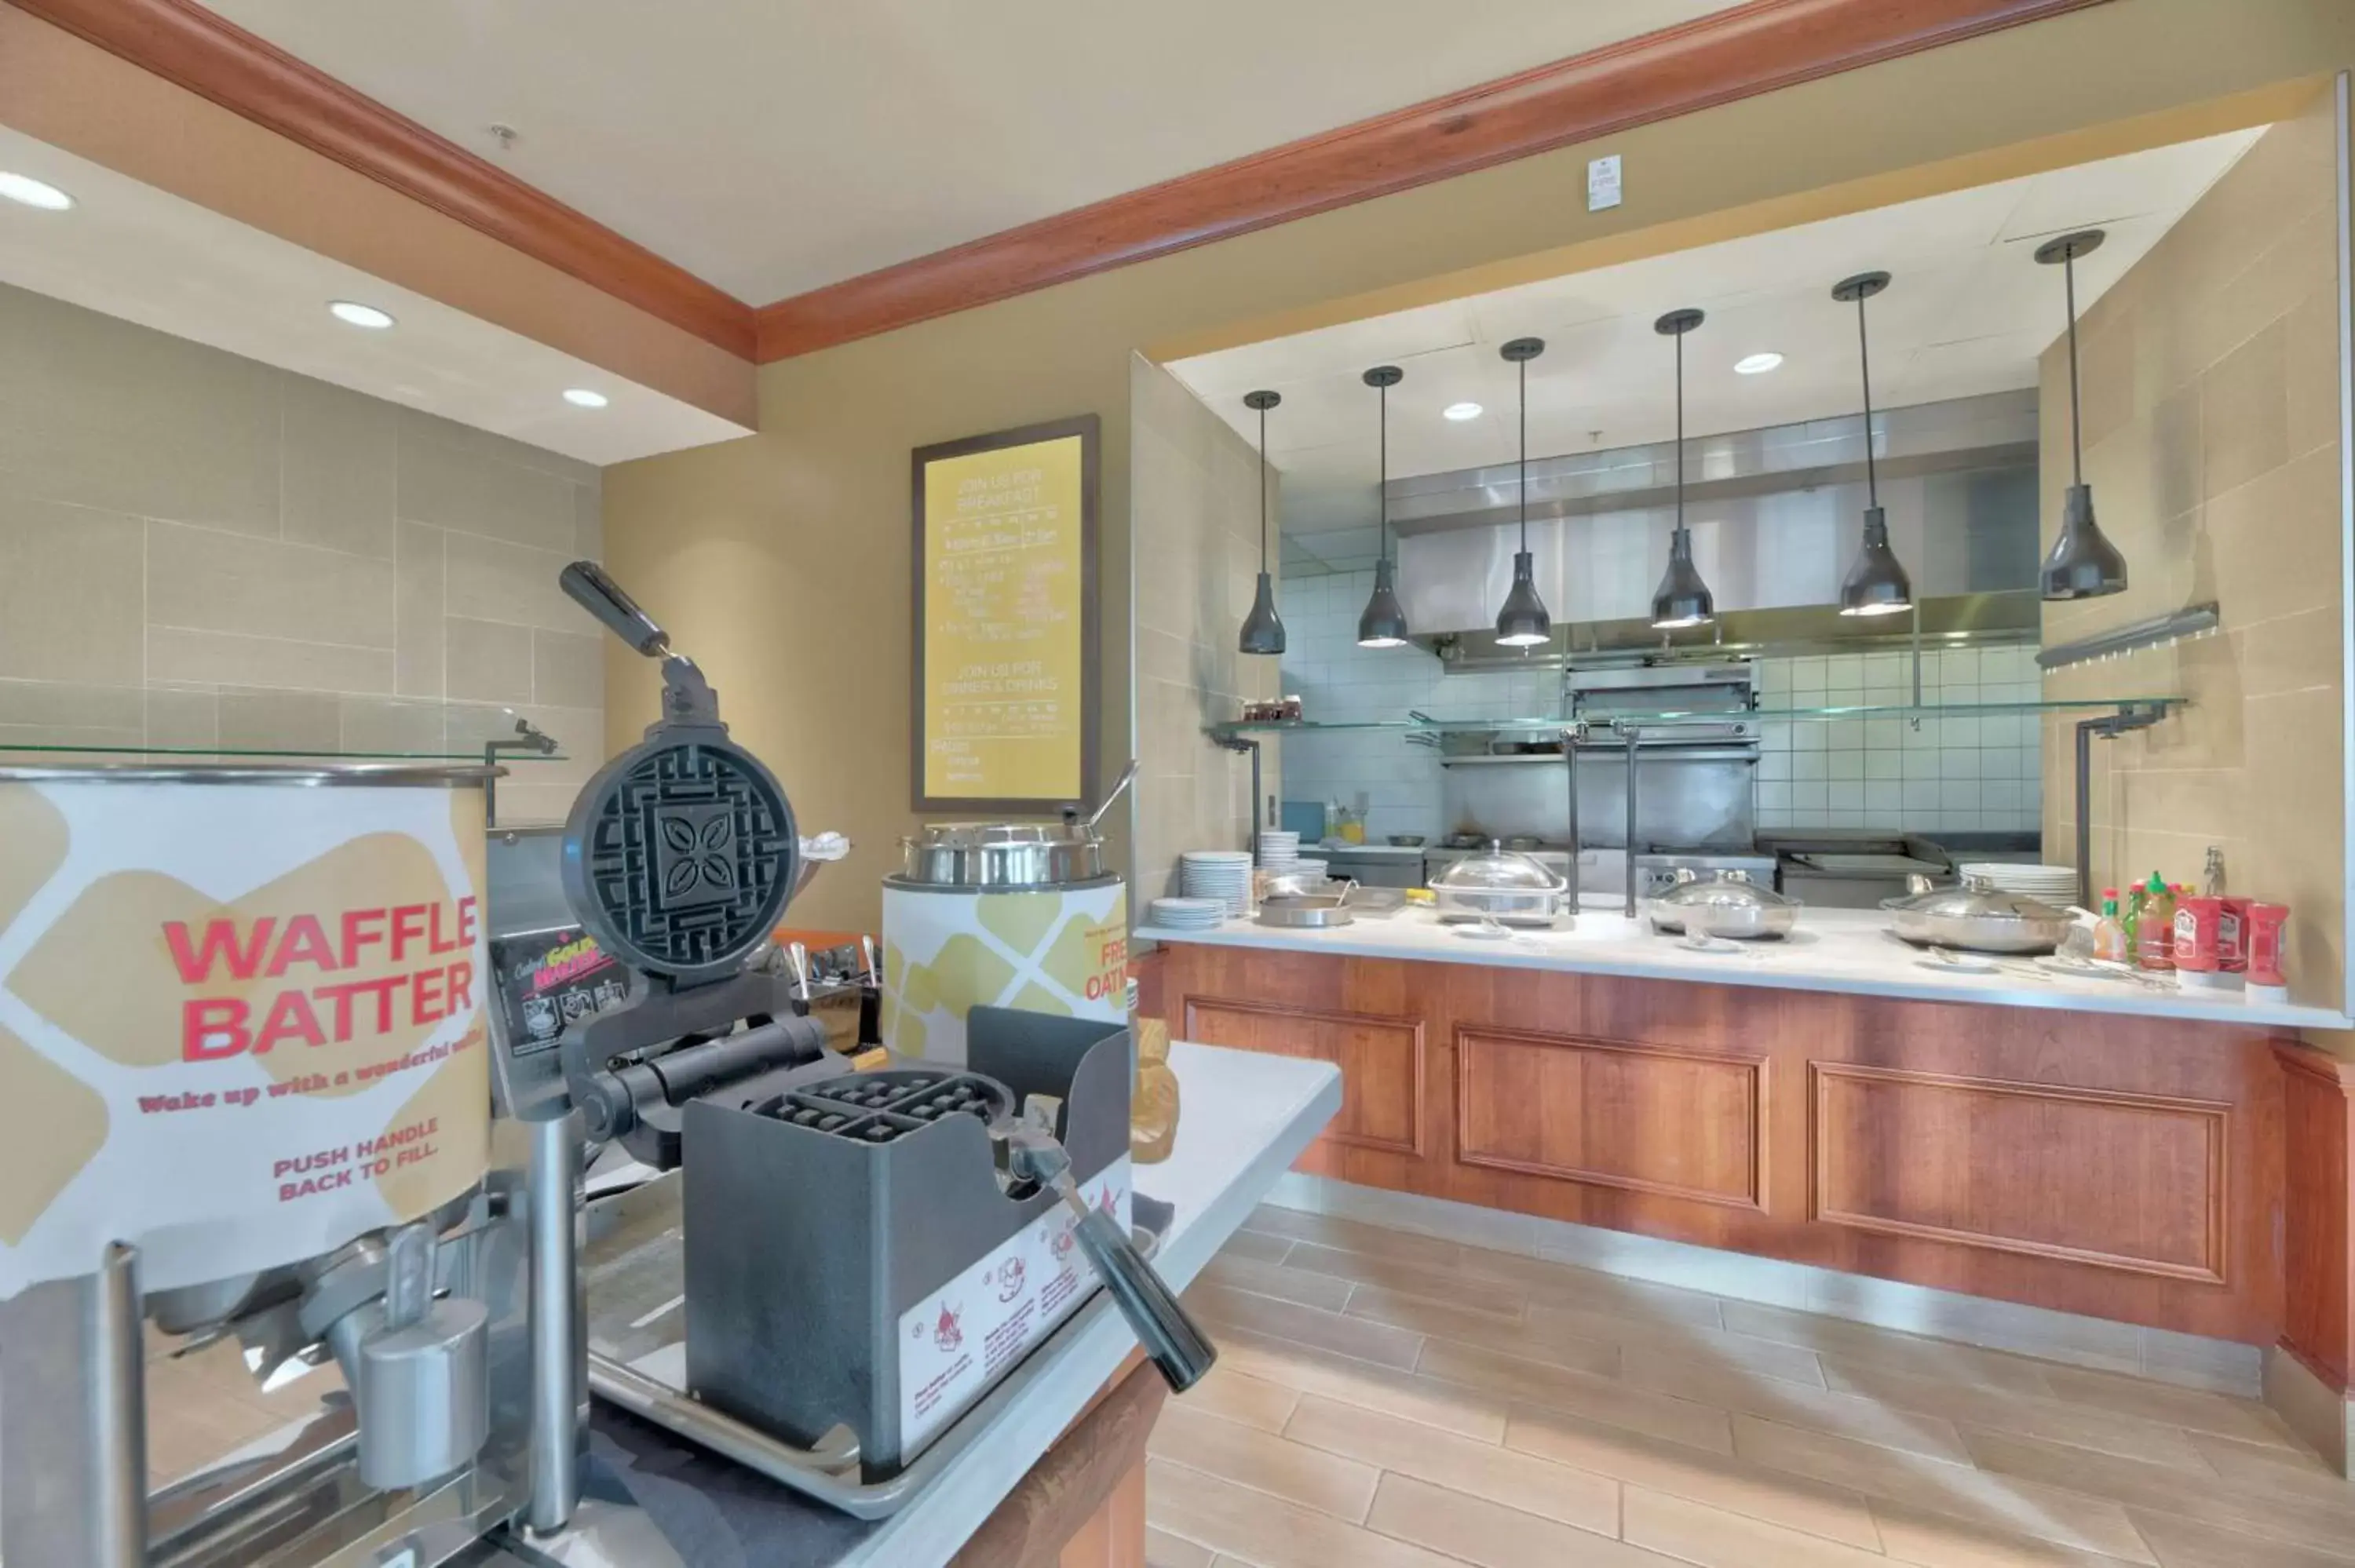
{"x":1278,"y":851}
{"x":1188,"y":914}
{"x":1222,"y":874}
{"x":1311,"y":866}
{"x":2053,"y":885}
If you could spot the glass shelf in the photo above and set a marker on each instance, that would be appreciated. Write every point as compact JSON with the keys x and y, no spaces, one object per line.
{"x":1420,"y":724}
{"x":232,"y":753}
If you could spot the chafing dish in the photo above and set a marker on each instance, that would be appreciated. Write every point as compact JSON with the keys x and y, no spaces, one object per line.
{"x":1504,"y":887}
{"x":1727,"y":903}
{"x":1977,"y":915}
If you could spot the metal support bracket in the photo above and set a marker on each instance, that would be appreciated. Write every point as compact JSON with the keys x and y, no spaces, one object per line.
{"x":1238,"y":743}
{"x":2130,"y":717}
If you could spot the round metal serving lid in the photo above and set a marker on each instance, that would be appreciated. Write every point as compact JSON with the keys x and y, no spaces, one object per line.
{"x":307,"y":775}
{"x":1002,"y":835}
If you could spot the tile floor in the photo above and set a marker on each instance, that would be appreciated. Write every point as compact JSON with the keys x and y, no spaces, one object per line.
{"x":203,"y":1405}
{"x":1395,"y":1400}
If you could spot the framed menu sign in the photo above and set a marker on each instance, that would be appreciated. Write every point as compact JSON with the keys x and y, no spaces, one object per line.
{"x":1007,"y":686}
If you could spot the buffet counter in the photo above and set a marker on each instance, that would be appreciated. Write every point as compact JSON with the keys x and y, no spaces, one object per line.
{"x":2089,"y":1146}
{"x":654,"y":1501}
{"x":1844,"y":950}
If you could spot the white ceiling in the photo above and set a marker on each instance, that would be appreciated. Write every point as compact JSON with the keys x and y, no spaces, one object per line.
{"x":770,"y":148}
{"x":133,"y":251}
{"x":1968,"y":312}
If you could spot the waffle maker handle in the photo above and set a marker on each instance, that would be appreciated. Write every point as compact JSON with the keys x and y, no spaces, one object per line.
{"x":1177,"y":1346}
{"x":594,"y":590}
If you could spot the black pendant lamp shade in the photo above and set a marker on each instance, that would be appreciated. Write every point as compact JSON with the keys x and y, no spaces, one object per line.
{"x":2083,"y":563}
{"x":1383,"y":625}
{"x":1523,"y":622}
{"x":1876,"y":583}
{"x":1682,"y":599}
{"x":1263,"y":628}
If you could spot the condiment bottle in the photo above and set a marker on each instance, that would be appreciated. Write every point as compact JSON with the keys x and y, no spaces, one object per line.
{"x":2155,"y":933}
{"x":2131,"y":921}
{"x":2109,"y":934}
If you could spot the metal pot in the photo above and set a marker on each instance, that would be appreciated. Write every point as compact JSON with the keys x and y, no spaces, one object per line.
{"x":1977,"y":915}
{"x":1726,"y":905}
{"x":1008,"y":855}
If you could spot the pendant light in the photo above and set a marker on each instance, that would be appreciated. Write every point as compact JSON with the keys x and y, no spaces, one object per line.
{"x":1682,"y":599}
{"x":1263,"y":628}
{"x":2084,"y":563}
{"x":1383,"y":625}
{"x":1876,"y":584}
{"x":1523,"y":622}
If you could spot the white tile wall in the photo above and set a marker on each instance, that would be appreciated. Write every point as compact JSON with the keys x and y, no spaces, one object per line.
{"x":1981,"y":775}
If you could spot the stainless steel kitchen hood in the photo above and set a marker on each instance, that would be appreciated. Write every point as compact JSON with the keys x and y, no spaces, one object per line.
{"x":1774,"y":515}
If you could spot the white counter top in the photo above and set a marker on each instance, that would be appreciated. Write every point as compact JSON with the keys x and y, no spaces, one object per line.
{"x":1844,"y":950}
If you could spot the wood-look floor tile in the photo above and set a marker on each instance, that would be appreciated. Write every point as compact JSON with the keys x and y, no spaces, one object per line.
{"x":2047,"y":1512}
{"x":2187,"y":1543}
{"x":1163,"y":1549}
{"x":1604,"y":1399}
{"x":1256,"y":1246}
{"x":1941,"y":1541}
{"x":1513,"y":1479}
{"x":2328,"y":1526}
{"x":1264,"y":1530}
{"x":1319,"y":1290}
{"x":1653,"y":1344}
{"x":2084,"y":1426}
{"x":1448,"y":1286}
{"x":1359,"y":1337}
{"x":1510,"y":1336}
{"x":1820,"y":1409}
{"x":1362,"y":1383}
{"x":1546,"y":1282}
{"x":1695,"y":1533}
{"x":1735,"y":1485}
{"x":1354,"y":1236}
{"x":2190,"y":1407}
{"x":1312,"y":1477}
{"x":1240,"y":1397}
{"x":1865,"y":1344}
{"x":1471,"y":1530}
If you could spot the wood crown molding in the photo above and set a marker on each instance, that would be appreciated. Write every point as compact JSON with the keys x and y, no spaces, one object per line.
{"x":1719,"y":58}
{"x":194,"y":48}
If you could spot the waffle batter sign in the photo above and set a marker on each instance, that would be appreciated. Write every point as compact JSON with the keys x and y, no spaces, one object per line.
{"x":242,"y":1024}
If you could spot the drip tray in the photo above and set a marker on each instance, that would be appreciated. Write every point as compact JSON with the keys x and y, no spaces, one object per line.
{"x":633,"y":1274}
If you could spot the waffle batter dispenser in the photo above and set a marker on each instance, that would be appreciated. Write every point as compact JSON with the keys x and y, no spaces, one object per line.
{"x":870,"y":1250}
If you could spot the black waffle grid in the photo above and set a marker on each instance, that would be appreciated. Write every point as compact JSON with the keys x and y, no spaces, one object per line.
{"x":688,"y":855}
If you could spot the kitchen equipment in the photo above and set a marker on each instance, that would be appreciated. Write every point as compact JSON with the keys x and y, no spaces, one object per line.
{"x":1849,"y":868}
{"x":1376,"y":866}
{"x":971,"y":897}
{"x":827,"y":1225}
{"x":1406,"y":840}
{"x":1305,"y":912}
{"x":410,"y":1276}
{"x":1726,"y":904}
{"x":1977,"y":915}
{"x":1501,"y":887}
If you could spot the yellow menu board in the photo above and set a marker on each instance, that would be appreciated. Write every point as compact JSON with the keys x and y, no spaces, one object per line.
{"x":1006,"y":618}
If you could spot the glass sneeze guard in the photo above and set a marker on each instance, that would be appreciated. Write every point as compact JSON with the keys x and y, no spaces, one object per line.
{"x":1425,"y":723}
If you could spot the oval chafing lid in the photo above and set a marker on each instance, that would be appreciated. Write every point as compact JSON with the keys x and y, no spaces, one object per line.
{"x":1977,"y":897}
{"x":1727,"y":889}
{"x":1499,"y":871}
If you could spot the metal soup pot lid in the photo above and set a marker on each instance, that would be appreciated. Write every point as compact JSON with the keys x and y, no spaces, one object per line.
{"x":1726,"y":890}
{"x":1002,"y":836}
{"x":1976,"y":897}
{"x":1499,"y":870}
{"x":1009,"y":855}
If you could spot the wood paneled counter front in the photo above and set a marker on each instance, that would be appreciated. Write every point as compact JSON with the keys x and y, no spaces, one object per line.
{"x":2112,"y":1163}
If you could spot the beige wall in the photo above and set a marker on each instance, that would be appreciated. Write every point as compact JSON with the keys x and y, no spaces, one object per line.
{"x":2210,"y":393}
{"x":199,"y":550}
{"x":1194,"y":514}
{"x":782,"y":559}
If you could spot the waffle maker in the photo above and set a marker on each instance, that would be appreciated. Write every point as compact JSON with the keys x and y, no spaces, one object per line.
{"x":874,"y":1249}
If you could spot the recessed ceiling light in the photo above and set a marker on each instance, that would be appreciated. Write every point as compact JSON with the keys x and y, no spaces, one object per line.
{"x":1460,"y":412}
{"x":582,"y":398}
{"x":353,"y":313}
{"x":31,"y":192}
{"x":1757,"y":363}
